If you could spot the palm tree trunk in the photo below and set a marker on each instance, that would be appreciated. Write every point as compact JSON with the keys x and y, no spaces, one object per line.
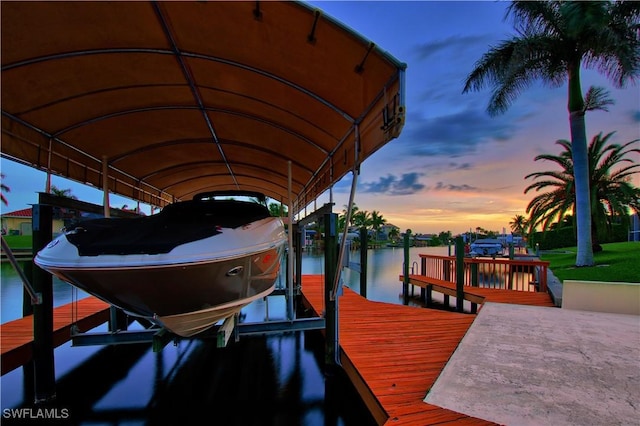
{"x":584,"y":257}
{"x":580,"y":154}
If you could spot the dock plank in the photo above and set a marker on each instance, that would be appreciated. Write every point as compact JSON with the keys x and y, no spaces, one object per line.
{"x":16,"y":337}
{"x":398,"y":352}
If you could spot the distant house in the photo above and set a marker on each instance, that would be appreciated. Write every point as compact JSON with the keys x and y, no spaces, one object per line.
{"x":19,"y":223}
{"x":383,"y":233}
{"x":422,"y":240}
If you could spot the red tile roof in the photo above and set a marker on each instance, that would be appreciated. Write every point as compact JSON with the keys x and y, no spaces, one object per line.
{"x":19,"y":213}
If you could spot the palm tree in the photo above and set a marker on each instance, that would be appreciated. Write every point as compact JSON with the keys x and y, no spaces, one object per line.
{"x":556,"y":38}
{"x":342,"y":218}
{"x":62,"y":192}
{"x":612,"y":192}
{"x":278,"y":210}
{"x":377,"y":221}
{"x":445,"y":236}
{"x":518,"y":224}
{"x":361,"y":218}
{"x":394,"y":233}
{"x":4,"y":188}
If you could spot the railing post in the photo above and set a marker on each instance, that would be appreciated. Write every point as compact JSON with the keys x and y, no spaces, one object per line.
{"x":446,"y":270}
{"x":405,"y":267}
{"x":459,"y":274}
{"x":474,"y":274}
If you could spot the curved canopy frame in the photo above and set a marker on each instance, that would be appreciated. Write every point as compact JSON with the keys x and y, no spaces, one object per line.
{"x":179,"y":98}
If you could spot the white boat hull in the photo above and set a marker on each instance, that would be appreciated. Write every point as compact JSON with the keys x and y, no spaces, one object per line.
{"x":187,"y":290}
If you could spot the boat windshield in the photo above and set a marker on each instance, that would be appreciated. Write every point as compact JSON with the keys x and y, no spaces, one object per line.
{"x":243,"y":196}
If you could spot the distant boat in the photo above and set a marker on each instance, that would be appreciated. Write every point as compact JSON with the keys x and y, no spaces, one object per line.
{"x":486,"y":247}
{"x":186,"y":268}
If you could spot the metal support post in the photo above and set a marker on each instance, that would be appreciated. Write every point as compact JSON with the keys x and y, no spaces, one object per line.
{"x":290,"y":312}
{"x":298,"y":257}
{"x":44,"y":366}
{"x":332,"y":344}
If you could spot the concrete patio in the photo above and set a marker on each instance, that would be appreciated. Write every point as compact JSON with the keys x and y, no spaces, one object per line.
{"x":527,"y":365}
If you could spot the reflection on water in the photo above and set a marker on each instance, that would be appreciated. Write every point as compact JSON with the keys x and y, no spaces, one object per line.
{"x":258,"y":380}
{"x":11,"y":293}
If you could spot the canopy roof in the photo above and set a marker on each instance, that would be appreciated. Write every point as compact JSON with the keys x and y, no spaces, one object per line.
{"x":179,"y":98}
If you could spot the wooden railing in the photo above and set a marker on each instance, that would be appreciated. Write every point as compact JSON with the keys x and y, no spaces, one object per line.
{"x":517,"y":274}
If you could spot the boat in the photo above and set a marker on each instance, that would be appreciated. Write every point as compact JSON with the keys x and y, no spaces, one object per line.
{"x":486,"y":247}
{"x":186,"y":268}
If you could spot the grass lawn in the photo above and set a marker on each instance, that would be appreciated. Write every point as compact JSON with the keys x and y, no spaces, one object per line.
{"x":18,"y":241}
{"x":618,"y":262}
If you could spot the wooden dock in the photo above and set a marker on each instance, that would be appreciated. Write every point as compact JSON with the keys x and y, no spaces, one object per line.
{"x":16,"y":337}
{"x":480,"y":295}
{"x":393,"y":353}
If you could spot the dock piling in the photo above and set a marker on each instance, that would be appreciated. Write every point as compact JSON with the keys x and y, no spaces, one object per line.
{"x":405,"y":267}
{"x":332,"y":344}
{"x":459,"y":274}
{"x":44,"y":366}
{"x":364,"y":242}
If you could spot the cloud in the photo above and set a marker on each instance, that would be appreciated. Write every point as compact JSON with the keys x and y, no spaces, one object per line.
{"x":451,"y":46}
{"x":455,"y":135}
{"x":444,"y":65}
{"x":635,"y":116}
{"x":440,"y":186}
{"x":460,"y":166}
{"x":406,"y":184}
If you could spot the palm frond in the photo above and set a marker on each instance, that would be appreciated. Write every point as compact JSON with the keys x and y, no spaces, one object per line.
{"x":597,"y":98}
{"x":610,"y":172}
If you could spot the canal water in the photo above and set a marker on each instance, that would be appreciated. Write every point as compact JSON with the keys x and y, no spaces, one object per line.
{"x":259,"y":380}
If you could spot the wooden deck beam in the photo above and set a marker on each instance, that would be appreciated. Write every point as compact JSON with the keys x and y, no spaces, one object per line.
{"x":16,"y":337}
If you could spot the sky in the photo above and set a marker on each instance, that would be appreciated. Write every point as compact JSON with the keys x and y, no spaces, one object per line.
{"x":453,"y":167}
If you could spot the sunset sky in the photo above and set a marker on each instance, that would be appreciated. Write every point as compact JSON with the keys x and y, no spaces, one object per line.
{"x":454,"y":167}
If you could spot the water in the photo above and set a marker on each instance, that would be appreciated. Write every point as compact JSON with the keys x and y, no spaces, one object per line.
{"x":259,"y":380}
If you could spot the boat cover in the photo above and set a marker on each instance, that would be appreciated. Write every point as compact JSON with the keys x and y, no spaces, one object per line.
{"x":160,"y":100}
{"x":176,"y":224}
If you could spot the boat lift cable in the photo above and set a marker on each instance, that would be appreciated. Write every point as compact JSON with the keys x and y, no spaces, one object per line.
{"x":36,"y":298}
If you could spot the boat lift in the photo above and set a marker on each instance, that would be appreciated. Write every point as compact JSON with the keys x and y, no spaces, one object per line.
{"x":118,"y":332}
